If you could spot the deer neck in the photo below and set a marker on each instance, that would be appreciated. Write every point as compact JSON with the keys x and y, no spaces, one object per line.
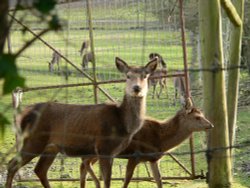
{"x":133,"y":112}
{"x":172,"y":134}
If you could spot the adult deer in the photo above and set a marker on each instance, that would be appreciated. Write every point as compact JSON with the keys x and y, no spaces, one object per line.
{"x":84,"y":46}
{"x":101,"y":130}
{"x":153,"y":140}
{"x":180,"y":88}
{"x":55,"y":61}
{"x":159,"y":76}
{"x":88,"y":57}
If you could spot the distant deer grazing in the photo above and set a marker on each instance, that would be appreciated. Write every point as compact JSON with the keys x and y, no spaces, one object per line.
{"x":158,"y":73}
{"x":180,"y":88}
{"x":156,"y":137}
{"x":85,"y":45}
{"x":101,"y":130}
{"x":161,"y":62}
{"x":55,"y":61}
{"x":88,"y":57}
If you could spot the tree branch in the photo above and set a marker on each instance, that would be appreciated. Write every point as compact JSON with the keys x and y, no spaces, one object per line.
{"x":231,"y":12}
{"x":30,"y":41}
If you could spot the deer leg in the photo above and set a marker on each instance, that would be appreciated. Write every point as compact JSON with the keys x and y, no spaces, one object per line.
{"x":161,"y":86}
{"x":83,"y":174}
{"x":175,"y":96}
{"x":15,"y":164}
{"x":129,"y":171}
{"x":106,"y":170}
{"x":153,"y":95}
{"x":44,"y":163}
{"x":164,"y":83}
{"x":31,"y":148}
{"x":86,"y":64}
{"x":86,"y":167}
{"x":96,"y":180}
{"x":58,"y":66}
{"x":156,"y":173}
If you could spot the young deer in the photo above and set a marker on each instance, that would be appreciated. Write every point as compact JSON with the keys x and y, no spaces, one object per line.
{"x":180,"y":87}
{"x":158,"y":73}
{"x":162,"y":81}
{"x":101,"y":130}
{"x":55,"y":61}
{"x":88,"y":57}
{"x":84,"y":46}
{"x":155,"y":137}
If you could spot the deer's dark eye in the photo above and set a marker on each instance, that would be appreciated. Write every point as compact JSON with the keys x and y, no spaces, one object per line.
{"x":144,"y":76}
{"x":198,"y":118}
{"x":128,"y":77}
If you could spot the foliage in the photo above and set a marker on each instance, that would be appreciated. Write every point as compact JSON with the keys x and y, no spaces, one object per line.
{"x":8,"y":69}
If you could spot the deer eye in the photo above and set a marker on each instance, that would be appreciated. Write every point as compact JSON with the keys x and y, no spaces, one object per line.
{"x":128,"y":77}
{"x":144,"y":76}
{"x":198,"y":118}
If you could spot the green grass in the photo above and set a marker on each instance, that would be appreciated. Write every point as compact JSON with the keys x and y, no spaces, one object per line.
{"x":112,"y":40}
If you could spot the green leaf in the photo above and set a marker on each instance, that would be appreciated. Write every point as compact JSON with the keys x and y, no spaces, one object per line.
{"x":12,"y":82}
{"x":44,"y":6}
{"x":54,"y":23}
{"x":3,"y":122}
{"x":9,"y":73}
{"x":7,"y":65}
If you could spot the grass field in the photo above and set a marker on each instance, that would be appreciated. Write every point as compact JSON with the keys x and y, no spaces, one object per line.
{"x":113,"y":38}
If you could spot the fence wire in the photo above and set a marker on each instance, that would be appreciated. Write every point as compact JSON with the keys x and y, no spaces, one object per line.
{"x":131,"y":30}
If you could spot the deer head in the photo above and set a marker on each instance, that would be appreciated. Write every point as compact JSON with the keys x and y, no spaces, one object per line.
{"x":136,"y":77}
{"x":195,"y":119}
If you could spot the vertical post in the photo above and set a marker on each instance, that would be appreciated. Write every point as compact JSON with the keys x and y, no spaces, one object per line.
{"x":214,"y":94}
{"x":184,"y":48}
{"x":91,"y":37}
{"x":9,"y":44}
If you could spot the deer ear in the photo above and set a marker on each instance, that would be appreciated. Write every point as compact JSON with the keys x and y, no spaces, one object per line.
{"x":121,"y":65}
{"x":188,"y":103}
{"x":151,"y":66}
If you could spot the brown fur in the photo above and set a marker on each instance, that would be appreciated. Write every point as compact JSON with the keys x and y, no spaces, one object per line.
{"x":102,"y":130}
{"x":155,"y":138}
{"x":161,"y":72}
{"x":180,"y":88}
{"x":55,"y":61}
{"x":161,"y":80}
{"x":88,"y":57}
{"x":84,"y":46}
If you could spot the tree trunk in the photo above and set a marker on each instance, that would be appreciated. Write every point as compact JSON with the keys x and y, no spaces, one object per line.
{"x":219,"y":163}
{"x":233,"y":74}
{"x":3,"y":23}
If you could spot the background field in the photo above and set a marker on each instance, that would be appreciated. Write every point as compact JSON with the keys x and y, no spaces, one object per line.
{"x":130,"y":32}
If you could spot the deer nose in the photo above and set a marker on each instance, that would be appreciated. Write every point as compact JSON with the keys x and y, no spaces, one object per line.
{"x":136,"y":88}
{"x":211,"y":125}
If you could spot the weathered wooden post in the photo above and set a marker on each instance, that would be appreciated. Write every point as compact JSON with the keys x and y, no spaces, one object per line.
{"x":214,"y":92}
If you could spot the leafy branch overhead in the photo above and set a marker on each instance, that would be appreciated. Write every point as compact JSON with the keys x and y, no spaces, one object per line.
{"x":45,"y":12}
{"x":9,"y":73}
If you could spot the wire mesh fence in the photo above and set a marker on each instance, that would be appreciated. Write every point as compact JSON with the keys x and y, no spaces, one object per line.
{"x":130,"y":29}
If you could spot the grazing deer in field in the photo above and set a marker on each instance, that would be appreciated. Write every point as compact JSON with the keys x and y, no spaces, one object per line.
{"x":88,"y":57}
{"x":179,"y":87}
{"x":153,"y":140}
{"x":101,"y":130}
{"x":55,"y":61}
{"x":85,"y":45}
{"x":158,"y":73}
{"x":161,"y":62}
